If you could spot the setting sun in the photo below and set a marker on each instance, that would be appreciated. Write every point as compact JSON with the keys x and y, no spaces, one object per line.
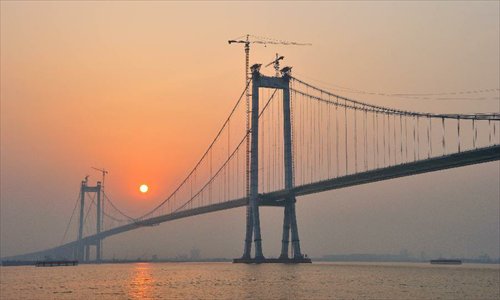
{"x":143,"y":188}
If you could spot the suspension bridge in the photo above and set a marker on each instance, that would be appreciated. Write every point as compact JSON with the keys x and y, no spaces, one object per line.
{"x":288,"y":140}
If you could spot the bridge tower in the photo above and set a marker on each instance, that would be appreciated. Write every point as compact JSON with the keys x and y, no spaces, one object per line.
{"x":290,"y":219}
{"x":82,"y":252}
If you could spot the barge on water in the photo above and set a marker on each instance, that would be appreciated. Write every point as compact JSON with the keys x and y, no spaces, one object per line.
{"x":446,"y":262}
{"x":56,"y":263}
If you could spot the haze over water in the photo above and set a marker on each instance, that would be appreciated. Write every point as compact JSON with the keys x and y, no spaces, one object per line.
{"x":237,"y":281}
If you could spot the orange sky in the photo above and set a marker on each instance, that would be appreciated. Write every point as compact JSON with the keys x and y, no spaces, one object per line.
{"x":142,"y":88}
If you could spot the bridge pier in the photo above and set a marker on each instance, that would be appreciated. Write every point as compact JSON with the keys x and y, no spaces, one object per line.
{"x":253,"y":217}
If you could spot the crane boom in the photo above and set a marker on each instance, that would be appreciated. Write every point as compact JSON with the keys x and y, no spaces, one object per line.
{"x":252,"y":39}
{"x":276,"y":64}
{"x":103,"y":172}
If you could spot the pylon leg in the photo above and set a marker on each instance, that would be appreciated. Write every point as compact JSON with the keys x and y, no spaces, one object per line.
{"x":98,"y":251}
{"x":286,"y":232}
{"x":256,"y":227}
{"x":249,"y":234}
{"x":254,"y":165}
{"x":295,"y":232}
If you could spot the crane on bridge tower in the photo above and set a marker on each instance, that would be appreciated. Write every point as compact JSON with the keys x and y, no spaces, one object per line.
{"x":276,"y":64}
{"x":103,"y":172}
{"x":247,"y":40}
{"x":252,"y":39}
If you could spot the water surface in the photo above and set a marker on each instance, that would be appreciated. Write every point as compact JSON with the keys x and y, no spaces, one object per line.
{"x":240,"y":281}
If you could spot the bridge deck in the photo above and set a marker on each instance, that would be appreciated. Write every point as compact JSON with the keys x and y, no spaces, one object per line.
{"x":276,"y":198}
{"x":418,"y":167}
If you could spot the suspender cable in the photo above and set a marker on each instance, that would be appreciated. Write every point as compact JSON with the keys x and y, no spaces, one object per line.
{"x":355,"y":141}
{"x":374,"y":141}
{"x":383,"y":131}
{"x":378,"y":158}
{"x":406,"y":138}
{"x":345,"y":122}
{"x":320,"y":144}
{"x":414,"y":141}
{"x":418,"y":138}
{"x":489,"y":131}
{"x":475,"y":132}
{"x":429,"y":139}
{"x":494,"y":130}
{"x":401,"y":138}
{"x":444,"y":136}
{"x":337,"y":136}
{"x":365,"y":121}
{"x":394,"y":141}
{"x":389,"y":137}
{"x":328,"y":139}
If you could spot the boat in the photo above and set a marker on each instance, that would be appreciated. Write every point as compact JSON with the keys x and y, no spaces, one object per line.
{"x":446,"y":261}
{"x":56,"y":263}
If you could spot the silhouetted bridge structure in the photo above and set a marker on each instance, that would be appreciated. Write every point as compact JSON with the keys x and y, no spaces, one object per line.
{"x":294,"y":139}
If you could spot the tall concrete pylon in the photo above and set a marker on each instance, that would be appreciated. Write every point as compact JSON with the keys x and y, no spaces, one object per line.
{"x":253,"y":216}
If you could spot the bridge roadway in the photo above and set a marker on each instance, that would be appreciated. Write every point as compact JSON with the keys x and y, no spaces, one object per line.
{"x":455,"y":160}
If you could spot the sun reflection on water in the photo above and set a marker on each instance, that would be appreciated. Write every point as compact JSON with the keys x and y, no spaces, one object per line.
{"x":141,"y":282}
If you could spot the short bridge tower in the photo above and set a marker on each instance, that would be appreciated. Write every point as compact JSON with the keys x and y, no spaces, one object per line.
{"x":82,"y":250}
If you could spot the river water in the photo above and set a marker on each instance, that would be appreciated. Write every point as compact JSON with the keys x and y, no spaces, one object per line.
{"x":240,"y":281}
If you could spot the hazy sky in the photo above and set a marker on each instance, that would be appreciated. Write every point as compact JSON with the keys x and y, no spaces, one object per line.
{"x":141,"y":88}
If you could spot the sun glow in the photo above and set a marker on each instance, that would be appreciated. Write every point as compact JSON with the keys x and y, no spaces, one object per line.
{"x":143,"y":188}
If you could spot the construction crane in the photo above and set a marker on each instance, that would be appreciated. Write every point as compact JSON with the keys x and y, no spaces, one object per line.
{"x":252,"y":39}
{"x":276,"y":64}
{"x":104,"y":172}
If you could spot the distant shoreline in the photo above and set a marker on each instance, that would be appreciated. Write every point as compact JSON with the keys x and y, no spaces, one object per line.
{"x":8,"y":263}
